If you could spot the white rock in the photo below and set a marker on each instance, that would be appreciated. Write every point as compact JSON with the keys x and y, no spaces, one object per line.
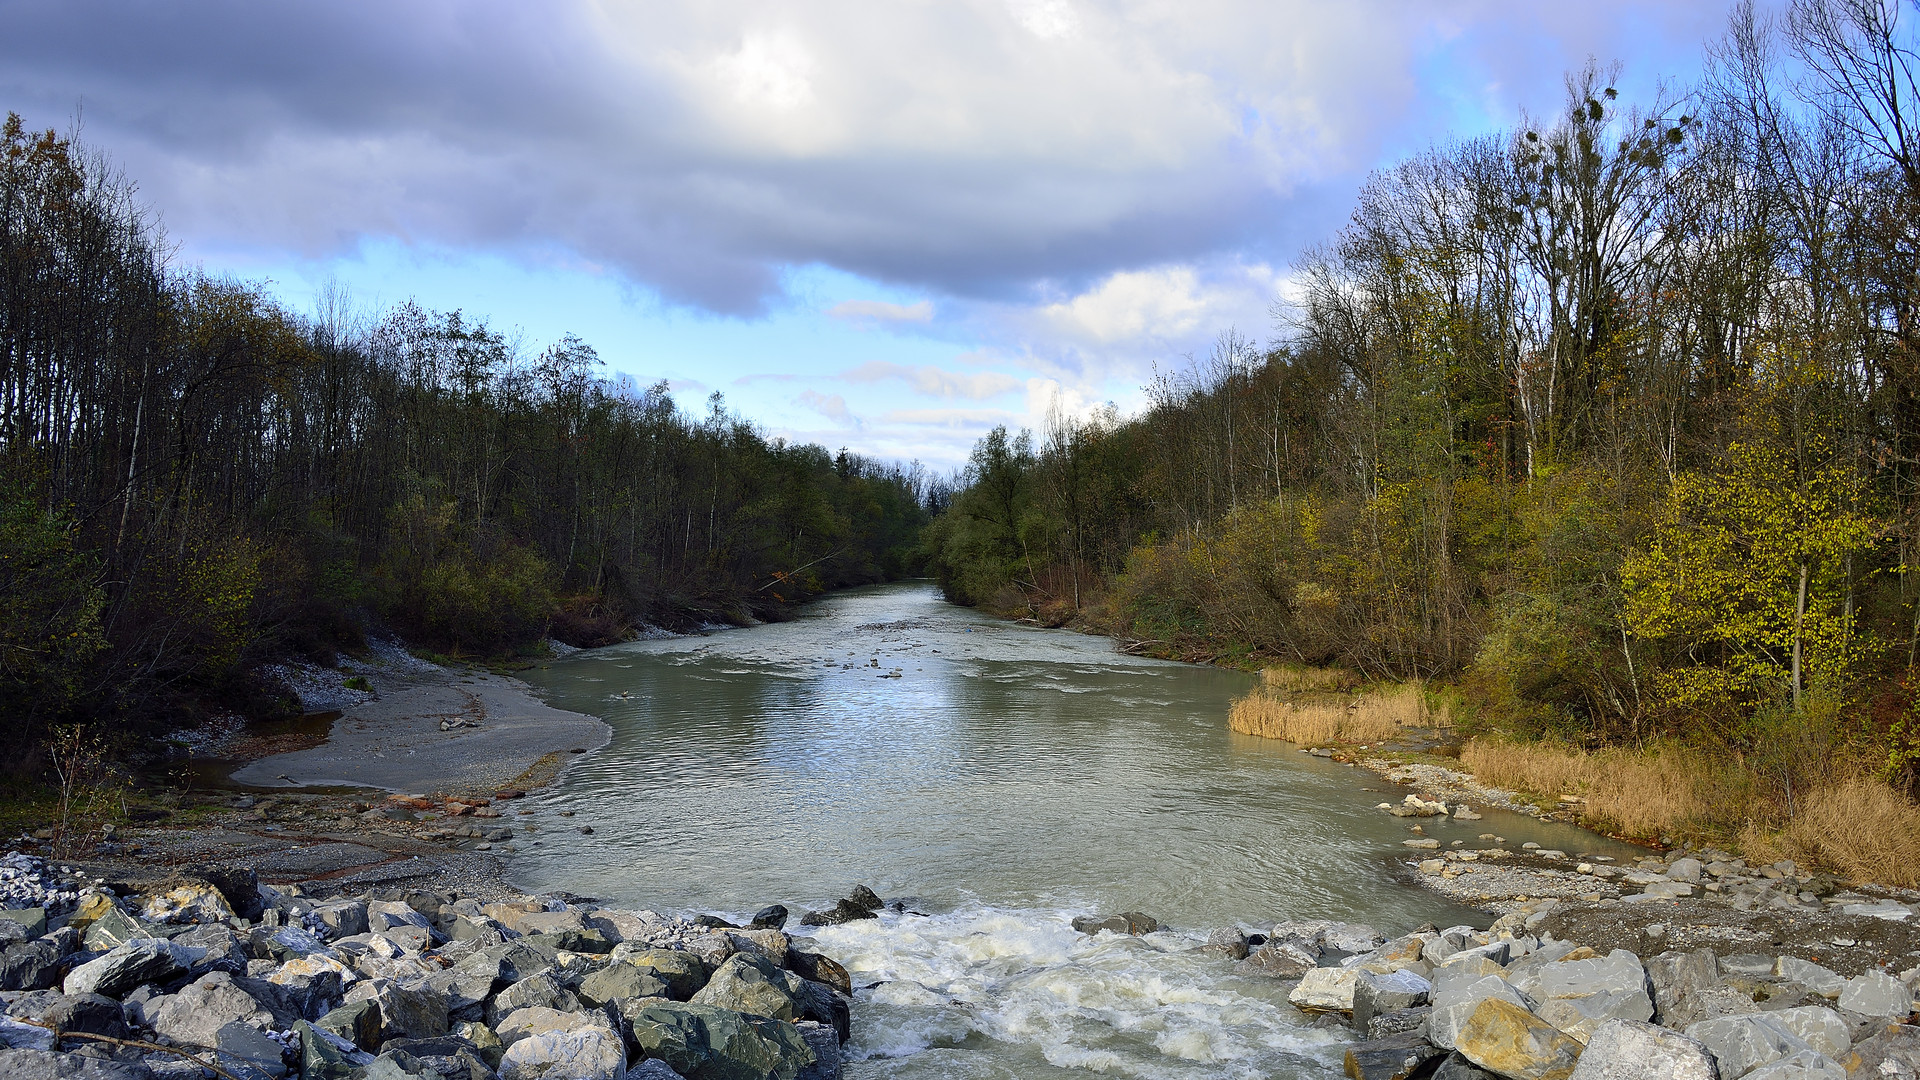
{"x":1630,"y":1050}
{"x":1744,"y":1043}
{"x":1805,"y":1065}
{"x":1819,"y":1027}
{"x":1329,"y":989}
{"x":1877,"y":993}
{"x":1822,"y":981}
{"x":587,"y":1053}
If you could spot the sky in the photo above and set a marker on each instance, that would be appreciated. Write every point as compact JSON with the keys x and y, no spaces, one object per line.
{"x":886,"y":226}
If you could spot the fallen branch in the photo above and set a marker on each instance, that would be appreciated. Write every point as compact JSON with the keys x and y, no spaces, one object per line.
{"x":137,"y":1044}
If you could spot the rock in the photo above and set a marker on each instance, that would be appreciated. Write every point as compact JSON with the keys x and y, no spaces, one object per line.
{"x":405,"y":1011}
{"x":326,"y":1056}
{"x":1874,"y":993}
{"x":399,"y":1065}
{"x":771,"y":944}
{"x":1463,"y":812}
{"x":1818,"y":980}
{"x":705,"y":1043}
{"x":1805,"y":1065}
{"x":357,"y":1022}
{"x":1577,"y":996}
{"x":1376,"y":994}
{"x":237,"y":1042}
{"x":752,"y":984}
{"x":1820,"y":1028}
{"x":1454,"y":1004}
{"x":1415,"y":806}
{"x":484,"y":1042}
{"x":653,"y":1069}
{"x":31,"y":921}
{"x":448,"y":1055}
{"x":23,"y":1036}
{"x":683,"y":972}
{"x":1744,"y":1043}
{"x":1127,"y":922}
{"x":1686,"y":869}
{"x":1395,"y":1058}
{"x":1456,"y":1067}
{"x":1747,"y":964}
{"x":46,"y":1065}
{"x":30,"y":965}
{"x":1398,"y":1022}
{"x":386,"y":915}
{"x":1325,"y":990}
{"x":816,"y":968}
{"x":1893,"y":1054}
{"x":1230,"y":942}
{"x":771,"y":917}
{"x":825,"y":1044}
{"x":198,"y":1012}
{"x":542,"y":990}
{"x":1350,"y":937}
{"x":537,"y":1020}
{"x":127,"y":966}
{"x":582,"y":1054}
{"x":865,"y":899}
{"x":1679,"y":980}
{"x":1505,"y":1038}
{"x":342,"y":918}
{"x":619,"y":981}
{"x":1631,"y":1050}
{"x":1279,"y":960}
{"x":90,"y":1013}
{"x":1428,"y":842}
{"x":188,"y":902}
{"x":1400,"y":954}
{"x":112,"y":929}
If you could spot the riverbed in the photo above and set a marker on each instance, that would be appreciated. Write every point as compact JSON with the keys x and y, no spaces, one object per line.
{"x":1005,"y":778}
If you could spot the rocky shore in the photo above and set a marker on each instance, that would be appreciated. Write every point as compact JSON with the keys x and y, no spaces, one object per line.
{"x":1521,"y":1002}
{"x":215,"y":974}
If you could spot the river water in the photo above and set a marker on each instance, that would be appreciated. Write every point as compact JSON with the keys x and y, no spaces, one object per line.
{"x":1007,"y":778}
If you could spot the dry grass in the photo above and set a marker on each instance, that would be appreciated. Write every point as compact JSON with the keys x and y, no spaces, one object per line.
{"x":1364,"y":719}
{"x":1644,"y":795}
{"x":1861,"y":828}
{"x":1294,"y":679}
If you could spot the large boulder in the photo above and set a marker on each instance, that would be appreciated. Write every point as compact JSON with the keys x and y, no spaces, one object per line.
{"x":683,"y":972}
{"x":46,"y":1065}
{"x":187,"y":902}
{"x":1631,"y":1050}
{"x":1817,"y":1026}
{"x":1505,"y":1038}
{"x":753,"y":984}
{"x":342,"y":918}
{"x":244,"y":1045}
{"x":1395,"y":1058}
{"x":1288,"y":959}
{"x":1742,"y":1044}
{"x":1127,"y":922}
{"x":1325,"y":990}
{"x":585,"y":1053}
{"x":1805,"y":1065}
{"x":141,"y":960}
{"x":406,"y":1012}
{"x":386,"y":915}
{"x":91,"y":1013}
{"x":1376,"y":994}
{"x":197,"y":1013}
{"x":620,"y":981}
{"x":1577,"y":996}
{"x":30,"y":965}
{"x":1824,"y":982}
{"x":536,"y":1020}
{"x":705,"y":1043}
{"x":1454,"y":1004}
{"x":1877,"y":993}
{"x":1892,"y":1054}
{"x":326,"y":1056}
{"x":541,"y":989}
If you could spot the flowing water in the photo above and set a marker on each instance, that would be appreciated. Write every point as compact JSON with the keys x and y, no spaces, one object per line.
{"x":1006,"y":778}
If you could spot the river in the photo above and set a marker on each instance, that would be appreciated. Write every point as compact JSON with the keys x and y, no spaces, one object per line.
{"x":1006,"y":778}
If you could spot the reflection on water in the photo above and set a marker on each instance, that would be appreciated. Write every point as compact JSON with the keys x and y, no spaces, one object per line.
{"x":1007,"y":777}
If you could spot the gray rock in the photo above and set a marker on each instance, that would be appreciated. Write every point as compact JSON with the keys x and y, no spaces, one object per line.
{"x":44,"y":1065}
{"x":1578,"y":996}
{"x":1394,"y":1058}
{"x":30,"y":965}
{"x":406,"y":1012}
{"x":752,"y":984}
{"x":399,"y":1065}
{"x":239,"y":1043}
{"x":683,"y":972}
{"x":127,"y":966}
{"x":1821,"y":1028}
{"x":1325,"y":990}
{"x":536,"y":1020}
{"x":1876,"y":993}
{"x":196,"y":1014}
{"x":384,"y":915}
{"x":653,"y":1069}
{"x":114,"y":928}
{"x":19,"y":1035}
{"x":32,"y":922}
{"x":1279,"y":960}
{"x":1747,"y":964}
{"x":1805,"y":1065}
{"x":1742,"y":1044}
{"x":464,"y":991}
{"x":1505,"y":1038}
{"x":705,"y":1043}
{"x":326,"y":1056}
{"x":1818,"y":980}
{"x":620,"y":981}
{"x":1459,"y":1068}
{"x":1127,"y":922}
{"x":1351,"y":937}
{"x":1229,"y":941}
{"x":1376,"y":994}
{"x":825,"y":1044}
{"x":342,"y":918}
{"x":542,"y":990}
{"x":357,"y":1022}
{"x":90,"y":1013}
{"x":1892,"y":1054}
{"x":1454,"y":1005}
{"x":1398,"y":1022}
{"x":1631,"y":1050}
{"x":1686,"y":869}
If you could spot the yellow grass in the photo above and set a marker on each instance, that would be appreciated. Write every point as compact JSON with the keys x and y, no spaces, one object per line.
{"x":1861,"y":828}
{"x":1294,"y":679}
{"x":1365,"y":718}
{"x":1644,"y":795}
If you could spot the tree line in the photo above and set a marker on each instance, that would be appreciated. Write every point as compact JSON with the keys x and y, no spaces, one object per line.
{"x":194,"y":478}
{"x":1613,"y":418}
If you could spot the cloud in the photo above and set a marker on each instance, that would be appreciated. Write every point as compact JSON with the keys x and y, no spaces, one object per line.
{"x":936,"y":382}
{"x":831,"y":406}
{"x":881,"y":311}
{"x":968,"y":149}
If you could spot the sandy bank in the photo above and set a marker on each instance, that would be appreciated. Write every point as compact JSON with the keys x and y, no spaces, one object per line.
{"x":434,"y":730}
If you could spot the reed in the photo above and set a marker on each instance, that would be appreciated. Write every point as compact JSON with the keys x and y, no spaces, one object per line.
{"x":1363,"y":719}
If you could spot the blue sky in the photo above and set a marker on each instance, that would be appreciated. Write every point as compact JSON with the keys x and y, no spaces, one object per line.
{"x":881,"y":226}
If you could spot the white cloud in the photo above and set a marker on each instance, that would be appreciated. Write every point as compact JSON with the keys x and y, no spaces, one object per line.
{"x":768,"y":70}
{"x":936,"y":382}
{"x":881,"y":311}
{"x":1044,"y":19}
{"x":1133,"y":303}
{"x":831,"y":406}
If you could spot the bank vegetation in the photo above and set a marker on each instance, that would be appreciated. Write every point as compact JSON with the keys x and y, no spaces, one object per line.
{"x":1610,"y":422}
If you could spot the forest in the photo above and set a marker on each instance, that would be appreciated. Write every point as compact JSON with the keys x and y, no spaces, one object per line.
{"x":1610,"y":421}
{"x":195,"y":479}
